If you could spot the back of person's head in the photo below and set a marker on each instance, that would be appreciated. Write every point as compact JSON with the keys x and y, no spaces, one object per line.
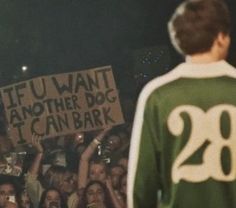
{"x":196,"y":23}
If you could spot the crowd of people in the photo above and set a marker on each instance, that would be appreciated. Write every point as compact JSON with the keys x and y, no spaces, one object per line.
{"x":81,"y":170}
{"x":182,"y":144}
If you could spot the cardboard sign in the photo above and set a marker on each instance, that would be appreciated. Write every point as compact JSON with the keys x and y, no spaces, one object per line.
{"x":62,"y":104}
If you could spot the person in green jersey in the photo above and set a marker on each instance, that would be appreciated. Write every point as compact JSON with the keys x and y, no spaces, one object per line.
{"x":183,"y":145}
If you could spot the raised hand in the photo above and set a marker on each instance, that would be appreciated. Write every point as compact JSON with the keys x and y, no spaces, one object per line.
{"x":101,"y":135}
{"x":36,"y":143}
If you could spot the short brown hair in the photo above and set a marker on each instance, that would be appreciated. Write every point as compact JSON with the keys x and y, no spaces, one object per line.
{"x":196,"y":23}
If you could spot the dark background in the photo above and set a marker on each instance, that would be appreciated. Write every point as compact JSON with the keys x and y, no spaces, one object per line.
{"x":55,"y":36}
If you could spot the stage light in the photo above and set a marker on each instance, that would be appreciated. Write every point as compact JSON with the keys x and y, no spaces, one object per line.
{"x":24,"y":68}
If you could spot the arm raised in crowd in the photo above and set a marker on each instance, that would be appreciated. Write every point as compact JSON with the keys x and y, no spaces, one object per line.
{"x":34,"y":169}
{"x":33,"y":186}
{"x":85,"y":157}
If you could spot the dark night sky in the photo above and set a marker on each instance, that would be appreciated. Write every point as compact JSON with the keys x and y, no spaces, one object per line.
{"x":54,"y":36}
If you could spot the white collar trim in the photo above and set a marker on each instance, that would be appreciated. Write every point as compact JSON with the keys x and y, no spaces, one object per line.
{"x":214,"y":69}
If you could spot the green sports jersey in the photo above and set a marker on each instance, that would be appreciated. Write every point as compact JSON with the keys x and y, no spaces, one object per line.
{"x":183,"y":141}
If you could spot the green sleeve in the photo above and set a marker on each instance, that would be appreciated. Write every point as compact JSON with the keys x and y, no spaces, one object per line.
{"x":147,"y":177}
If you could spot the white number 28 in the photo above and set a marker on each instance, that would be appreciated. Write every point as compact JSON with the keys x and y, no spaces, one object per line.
{"x":205,"y":127}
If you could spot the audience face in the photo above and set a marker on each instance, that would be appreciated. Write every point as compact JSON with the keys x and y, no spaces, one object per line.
{"x":95,"y":195}
{"x":79,"y":138}
{"x":114,"y":142}
{"x":25,"y":200}
{"x":6,"y":191}
{"x":124,"y":163}
{"x":116,"y":173}
{"x":97,"y":172}
{"x":69,"y":183}
{"x":52,"y":197}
